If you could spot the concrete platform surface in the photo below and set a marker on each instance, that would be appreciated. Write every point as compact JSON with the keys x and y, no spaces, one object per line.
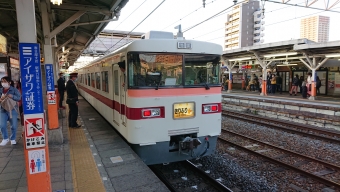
{"x":91,"y":158}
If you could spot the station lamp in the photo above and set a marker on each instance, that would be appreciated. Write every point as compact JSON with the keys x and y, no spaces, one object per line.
{"x":56,"y":2}
{"x":280,"y":54}
{"x":333,"y":55}
{"x":240,"y":59}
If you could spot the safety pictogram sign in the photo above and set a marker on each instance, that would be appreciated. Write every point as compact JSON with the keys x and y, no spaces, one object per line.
{"x":51,"y":97}
{"x":37,"y":161}
{"x":35,"y":131}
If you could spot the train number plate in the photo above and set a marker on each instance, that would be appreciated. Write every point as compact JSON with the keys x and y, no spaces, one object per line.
{"x":184,"y":110}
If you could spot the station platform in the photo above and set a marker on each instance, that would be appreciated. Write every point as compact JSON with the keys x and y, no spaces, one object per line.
{"x":320,"y":99}
{"x":323,"y":112}
{"x":92,"y":158}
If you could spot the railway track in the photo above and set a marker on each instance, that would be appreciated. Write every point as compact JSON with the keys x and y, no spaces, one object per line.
{"x":188,"y":177}
{"x":305,"y":130}
{"x":323,"y":172}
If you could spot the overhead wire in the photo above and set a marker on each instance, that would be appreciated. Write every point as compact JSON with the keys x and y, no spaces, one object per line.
{"x":229,"y":11}
{"x":282,"y":21}
{"x":217,"y":14}
{"x":131,"y":13}
{"x":136,"y":26}
{"x":188,"y":15}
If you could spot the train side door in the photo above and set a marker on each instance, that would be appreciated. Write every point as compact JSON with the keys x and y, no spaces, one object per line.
{"x":123,"y":89}
{"x":116,"y":95}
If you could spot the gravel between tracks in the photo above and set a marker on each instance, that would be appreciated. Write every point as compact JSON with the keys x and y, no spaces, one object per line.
{"x":233,"y":175}
{"x":307,"y":146}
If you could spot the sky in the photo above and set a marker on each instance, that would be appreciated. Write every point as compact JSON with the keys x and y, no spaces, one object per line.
{"x":282,"y":22}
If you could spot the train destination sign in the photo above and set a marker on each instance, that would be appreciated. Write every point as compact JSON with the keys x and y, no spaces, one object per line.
{"x":184,"y":110}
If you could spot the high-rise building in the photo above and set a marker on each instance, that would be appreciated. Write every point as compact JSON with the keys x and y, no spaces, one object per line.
{"x":315,"y":28}
{"x":244,"y":26}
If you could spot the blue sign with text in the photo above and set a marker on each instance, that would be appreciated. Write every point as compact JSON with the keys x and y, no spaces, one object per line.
{"x":31,"y":81}
{"x":49,"y":77}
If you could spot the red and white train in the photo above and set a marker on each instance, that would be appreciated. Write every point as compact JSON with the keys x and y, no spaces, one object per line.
{"x":167,"y":102}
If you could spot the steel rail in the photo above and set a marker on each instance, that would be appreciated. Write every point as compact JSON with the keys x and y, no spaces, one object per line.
{"x":276,"y":124}
{"x":320,"y":179}
{"x":216,"y":184}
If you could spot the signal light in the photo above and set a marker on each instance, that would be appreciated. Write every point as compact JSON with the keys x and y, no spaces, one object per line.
{"x":210,"y":108}
{"x":149,"y":113}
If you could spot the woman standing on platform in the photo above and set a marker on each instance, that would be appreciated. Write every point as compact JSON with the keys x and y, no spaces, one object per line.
{"x":9,"y":110}
{"x":295,"y":85}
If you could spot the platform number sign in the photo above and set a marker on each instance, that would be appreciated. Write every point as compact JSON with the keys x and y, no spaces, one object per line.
{"x":34,"y":131}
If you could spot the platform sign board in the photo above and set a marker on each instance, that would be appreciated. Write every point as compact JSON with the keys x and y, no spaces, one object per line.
{"x":31,"y":78}
{"x":49,"y":77}
{"x":34,"y":131}
{"x":37,"y":161}
{"x":51,"y":97}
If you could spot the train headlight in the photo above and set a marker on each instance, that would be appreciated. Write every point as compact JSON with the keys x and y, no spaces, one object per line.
{"x":147,"y":113}
{"x":210,"y":108}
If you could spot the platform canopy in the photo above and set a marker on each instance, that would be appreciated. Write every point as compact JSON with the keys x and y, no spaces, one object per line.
{"x":74,"y":24}
{"x":110,"y":40}
{"x":293,"y":51}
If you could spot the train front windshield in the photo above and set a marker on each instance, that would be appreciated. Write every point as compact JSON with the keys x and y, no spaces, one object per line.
{"x":172,"y":70}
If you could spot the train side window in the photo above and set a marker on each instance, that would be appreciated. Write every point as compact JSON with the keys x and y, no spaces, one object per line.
{"x":88,"y":79}
{"x":81,"y":78}
{"x":98,"y":80}
{"x":92,"y":80}
{"x":105,"y":81}
{"x":115,"y":75}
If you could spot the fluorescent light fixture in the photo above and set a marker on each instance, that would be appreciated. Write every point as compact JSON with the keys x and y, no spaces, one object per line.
{"x":240,"y":59}
{"x":286,"y":64}
{"x":56,"y":2}
{"x":333,"y":55}
{"x":280,"y":54}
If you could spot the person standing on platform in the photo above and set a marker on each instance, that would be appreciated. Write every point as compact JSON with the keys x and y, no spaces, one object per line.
{"x":279,"y":83}
{"x":295,"y":85}
{"x":61,"y":90}
{"x":300,"y":83}
{"x":318,"y":84}
{"x":260,"y":84}
{"x":304,"y":89}
{"x":309,"y":84}
{"x":72,"y":101}
{"x":269,"y":79}
{"x":10,"y":96}
{"x":273,"y":84}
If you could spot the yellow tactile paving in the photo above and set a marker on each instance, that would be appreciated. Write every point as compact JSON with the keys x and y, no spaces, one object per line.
{"x":86,"y":177}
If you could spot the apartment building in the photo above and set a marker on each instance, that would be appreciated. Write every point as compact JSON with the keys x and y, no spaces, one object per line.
{"x":244,"y":26}
{"x":315,"y":28}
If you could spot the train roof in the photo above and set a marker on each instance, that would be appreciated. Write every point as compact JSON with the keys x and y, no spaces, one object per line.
{"x":165,"y":46}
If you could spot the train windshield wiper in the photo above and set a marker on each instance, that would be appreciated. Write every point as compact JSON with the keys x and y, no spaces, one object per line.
{"x":207,"y":86}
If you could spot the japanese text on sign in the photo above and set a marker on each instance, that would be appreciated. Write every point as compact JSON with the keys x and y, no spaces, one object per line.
{"x":49,"y":77}
{"x":31,"y":78}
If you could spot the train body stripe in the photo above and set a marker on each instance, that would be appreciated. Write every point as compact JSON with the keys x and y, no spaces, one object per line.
{"x":130,"y":113}
{"x":172,"y":92}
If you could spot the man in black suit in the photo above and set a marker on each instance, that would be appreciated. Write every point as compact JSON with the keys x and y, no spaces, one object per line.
{"x":72,"y":101}
{"x":61,"y":90}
